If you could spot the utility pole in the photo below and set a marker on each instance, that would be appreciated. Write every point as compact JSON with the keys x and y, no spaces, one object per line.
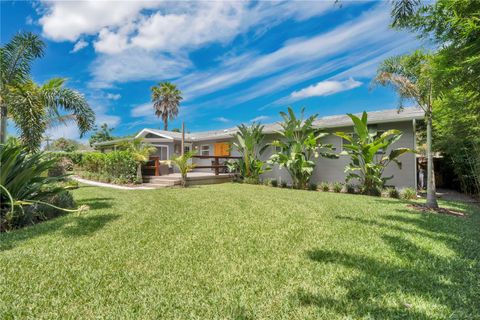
{"x":183,"y":138}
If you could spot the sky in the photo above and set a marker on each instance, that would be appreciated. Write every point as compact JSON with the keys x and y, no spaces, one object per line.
{"x":235,"y":62}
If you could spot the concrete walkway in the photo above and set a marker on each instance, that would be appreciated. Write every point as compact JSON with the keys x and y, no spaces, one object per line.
{"x":109,"y":185}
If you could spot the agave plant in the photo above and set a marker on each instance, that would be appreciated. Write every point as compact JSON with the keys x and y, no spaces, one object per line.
{"x":249,"y":143}
{"x":184,"y":165}
{"x":299,"y":146}
{"x":23,"y":183}
{"x":365,"y":148}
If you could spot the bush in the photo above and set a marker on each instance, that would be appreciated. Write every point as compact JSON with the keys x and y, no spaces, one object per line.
{"x":312,"y":186}
{"x":274,"y":183}
{"x":63,"y":199}
{"x":266,"y":182}
{"x":337,"y":187}
{"x":392,"y":192}
{"x":409,"y":193}
{"x":118,"y":166}
{"x":61,"y":167}
{"x":350,"y":188}
{"x":283,"y":184}
{"x":251,"y":180}
{"x":325,"y":186}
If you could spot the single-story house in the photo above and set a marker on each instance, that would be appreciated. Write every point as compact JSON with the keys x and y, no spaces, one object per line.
{"x":217,"y":143}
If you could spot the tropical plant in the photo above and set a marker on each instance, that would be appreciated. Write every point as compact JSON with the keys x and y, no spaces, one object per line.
{"x":184,"y":165}
{"x":249,"y":142}
{"x":392,"y":192}
{"x":408,"y":194}
{"x":166,"y":99}
{"x":312,"y":186}
{"x":325,"y":186}
{"x":411,"y":77}
{"x":24,"y":185}
{"x":274,"y":183}
{"x":337,"y":187}
{"x":67,"y":145}
{"x":299,"y":146}
{"x":102,"y":134}
{"x":366,"y":149}
{"x":140,"y":152}
{"x":16,"y":58}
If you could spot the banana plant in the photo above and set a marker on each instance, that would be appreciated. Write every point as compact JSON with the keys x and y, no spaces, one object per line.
{"x":299,"y":146}
{"x":366,"y":150}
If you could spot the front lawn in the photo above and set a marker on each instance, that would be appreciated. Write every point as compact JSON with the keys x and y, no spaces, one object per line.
{"x":243,"y":252}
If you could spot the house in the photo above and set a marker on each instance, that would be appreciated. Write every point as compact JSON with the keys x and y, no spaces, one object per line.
{"x":217,"y":143}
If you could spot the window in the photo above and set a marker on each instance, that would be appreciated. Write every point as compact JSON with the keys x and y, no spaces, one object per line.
{"x":161,"y":152}
{"x":205,"y":150}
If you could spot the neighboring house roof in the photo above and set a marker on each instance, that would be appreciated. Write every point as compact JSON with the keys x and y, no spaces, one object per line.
{"x":374,"y":117}
{"x":111,"y":142}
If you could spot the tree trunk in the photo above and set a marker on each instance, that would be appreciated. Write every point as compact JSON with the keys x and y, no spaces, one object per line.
{"x":165,"y":125}
{"x":139,"y":173}
{"x":431,"y":196}
{"x":3,"y":123}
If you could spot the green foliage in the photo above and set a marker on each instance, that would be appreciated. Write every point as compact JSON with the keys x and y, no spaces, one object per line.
{"x":337,"y":187}
{"x":408,"y":194}
{"x":118,"y":166}
{"x":101,"y":135}
{"x":350,"y":188}
{"x":140,"y":151}
{"x":24,"y":185}
{"x":184,"y":165}
{"x":365,"y":149}
{"x":325,"y":186}
{"x":67,"y":145}
{"x":63,"y":199}
{"x":392,"y":192}
{"x":274,"y":183}
{"x":166,"y":99}
{"x":312,"y":186}
{"x":299,"y":146}
{"x":249,"y":142}
{"x":283,"y":184}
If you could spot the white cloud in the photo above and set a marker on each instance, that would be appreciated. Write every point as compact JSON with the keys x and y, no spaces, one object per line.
{"x":79,"y":46}
{"x":325,"y":88}
{"x":143,"y":110}
{"x":222,"y":119}
{"x":260,"y":119}
{"x":114,"y":96}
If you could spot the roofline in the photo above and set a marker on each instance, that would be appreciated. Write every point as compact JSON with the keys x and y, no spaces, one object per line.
{"x":153,"y":132}
{"x":110,"y":142}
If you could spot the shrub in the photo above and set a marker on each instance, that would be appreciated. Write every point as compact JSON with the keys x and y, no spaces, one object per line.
{"x":392,"y":192}
{"x":337,"y":187}
{"x":325,"y":186}
{"x":266,"y":182}
{"x":350,"y":188}
{"x":251,"y":180}
{"x":409,"y":193}
{"x":312,"y":186}
{"x":274,"y":183}
{"x":283,"y":184}
{"x":119,"y":166}
{"x":70,"y":184}
{"x":63,"y":199}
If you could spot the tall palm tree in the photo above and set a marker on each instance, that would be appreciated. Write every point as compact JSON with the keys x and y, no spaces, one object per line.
{"x":15,"y":61}
{"x":34,"y":108}
{"x":166,"y":99}
{"x":410,"y":76}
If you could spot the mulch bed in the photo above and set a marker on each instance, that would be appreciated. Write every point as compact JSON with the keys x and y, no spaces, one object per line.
{"x":423,"y":208}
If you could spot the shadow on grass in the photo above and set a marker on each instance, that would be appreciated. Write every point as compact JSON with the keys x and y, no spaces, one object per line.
{"x":70,"y":225}
{"x":397,"y":284}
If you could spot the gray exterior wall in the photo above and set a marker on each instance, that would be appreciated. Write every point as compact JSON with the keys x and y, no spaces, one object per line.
{"x":332,"y":170}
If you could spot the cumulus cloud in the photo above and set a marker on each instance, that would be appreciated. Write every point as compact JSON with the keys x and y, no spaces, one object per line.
{"x":113,"y":96}
{"x":79,"y":46}
{"x":325,"y":88}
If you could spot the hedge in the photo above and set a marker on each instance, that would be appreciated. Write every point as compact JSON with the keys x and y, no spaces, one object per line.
{"x":117,"y":167}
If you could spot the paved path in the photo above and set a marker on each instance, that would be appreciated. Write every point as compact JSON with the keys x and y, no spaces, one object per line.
{"x":109,"y":185}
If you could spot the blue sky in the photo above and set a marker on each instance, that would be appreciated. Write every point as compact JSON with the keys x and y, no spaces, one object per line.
{"x":234,"y":61}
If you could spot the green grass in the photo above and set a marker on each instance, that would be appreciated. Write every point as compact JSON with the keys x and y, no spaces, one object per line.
{"x":242,"y":251}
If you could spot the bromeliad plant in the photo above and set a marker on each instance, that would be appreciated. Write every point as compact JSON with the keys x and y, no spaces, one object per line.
{"x":249,"y":142}
{"x":24,"y":185}
{"x":366,"y":149}
{"x":184,"y":165}
{"x":299,"y":146}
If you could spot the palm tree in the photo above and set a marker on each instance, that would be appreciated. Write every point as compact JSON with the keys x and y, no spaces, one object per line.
{"x":166,"y":99}
{"x":15,"y":60}
{"x":140,"y":151}
{"x":34,"y":108}
{"x":410,"y":76}
{"x":184,"y":165}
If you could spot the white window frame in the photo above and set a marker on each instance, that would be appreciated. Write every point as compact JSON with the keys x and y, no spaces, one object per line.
{"x":202,"y":150}
{"x":162,"y":146}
